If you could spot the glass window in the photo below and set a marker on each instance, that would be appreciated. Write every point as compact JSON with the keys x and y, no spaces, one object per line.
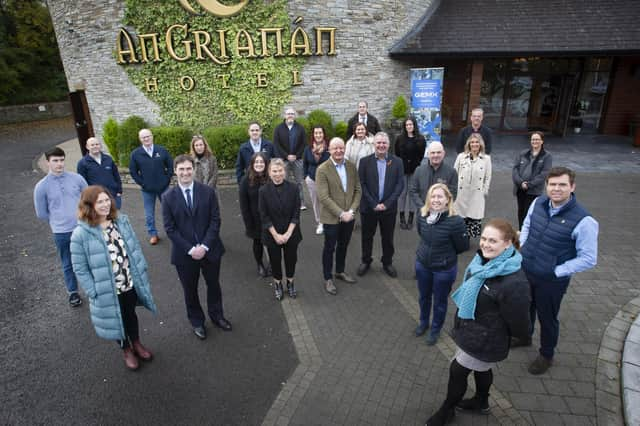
{"x":492,"y":92}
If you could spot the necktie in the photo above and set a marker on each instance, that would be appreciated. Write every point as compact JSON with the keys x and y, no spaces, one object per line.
{"x":189,"y":203}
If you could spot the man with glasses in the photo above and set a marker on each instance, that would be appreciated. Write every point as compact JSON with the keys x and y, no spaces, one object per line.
{"x":289,"y":140}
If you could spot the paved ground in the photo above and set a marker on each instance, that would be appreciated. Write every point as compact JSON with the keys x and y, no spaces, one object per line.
{"x":349,"y":359}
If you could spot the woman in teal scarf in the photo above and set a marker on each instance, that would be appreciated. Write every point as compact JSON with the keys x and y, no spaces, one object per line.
{"x":493,"y":306}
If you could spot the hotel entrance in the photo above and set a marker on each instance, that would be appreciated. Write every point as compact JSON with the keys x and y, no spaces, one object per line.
{"x":556,"y":95}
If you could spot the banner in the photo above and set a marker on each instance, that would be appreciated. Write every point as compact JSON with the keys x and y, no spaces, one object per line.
{"x":426,"y":101}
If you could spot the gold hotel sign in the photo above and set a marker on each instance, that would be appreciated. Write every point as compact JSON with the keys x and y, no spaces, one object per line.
{"x":182,"y":43}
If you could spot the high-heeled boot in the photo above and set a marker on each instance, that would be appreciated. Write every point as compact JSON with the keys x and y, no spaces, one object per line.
{"x":410,"y":221}
{"x":291,"y":290}
{"x":277,"y":288}
{"x":403,"y":222}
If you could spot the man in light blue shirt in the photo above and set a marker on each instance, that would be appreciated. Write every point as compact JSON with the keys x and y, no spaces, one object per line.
{"x":559,"y":238}
{"x":56,"y":199}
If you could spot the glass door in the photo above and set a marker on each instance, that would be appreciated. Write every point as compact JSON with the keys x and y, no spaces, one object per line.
{"x":517,"y":99}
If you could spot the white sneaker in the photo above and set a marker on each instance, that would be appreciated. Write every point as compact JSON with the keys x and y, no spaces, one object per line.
{"x":303,"y":207}
{"x":319,"y":229}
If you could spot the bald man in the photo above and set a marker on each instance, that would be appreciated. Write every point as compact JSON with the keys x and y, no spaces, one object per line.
{"x":435,"y":171}
{"x":97,"y":168}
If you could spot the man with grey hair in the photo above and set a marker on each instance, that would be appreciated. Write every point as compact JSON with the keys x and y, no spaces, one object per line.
{"x":435,"y":171}
{"x":289,"y":141}
{"x":477,"y":114}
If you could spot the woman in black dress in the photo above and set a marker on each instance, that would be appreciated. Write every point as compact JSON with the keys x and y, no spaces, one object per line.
{"x":250,"y":184}
{"x":279,"y":202}
{"x":409,"y":146}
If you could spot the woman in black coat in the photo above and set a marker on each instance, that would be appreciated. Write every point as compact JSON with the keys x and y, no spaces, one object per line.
{"x":279,"y":203}
{"x":493,"y":307}
{"x":409,"y":146}
{"x":255,"y":177}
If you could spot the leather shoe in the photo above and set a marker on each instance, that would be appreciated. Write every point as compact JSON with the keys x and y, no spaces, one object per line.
{"x":362,"y":269}
{"x":201,"y":332}
{"x":345,"y":277}
{"x":330,"y":287}
{"x":223,"y":324}
{"x":390,"y":270}
{"x":154,"y":240}
{"x":142,"y":352}
{"x":130,"y":359}
{"x":421,"y":329}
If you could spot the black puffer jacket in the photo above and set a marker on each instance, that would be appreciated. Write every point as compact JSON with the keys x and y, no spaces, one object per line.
{"x":502,"y":311}
{"x":441,"y":242}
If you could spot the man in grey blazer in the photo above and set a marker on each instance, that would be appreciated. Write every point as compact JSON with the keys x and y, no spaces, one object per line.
{"x":382,"y":182}
{"x":338,"y":189}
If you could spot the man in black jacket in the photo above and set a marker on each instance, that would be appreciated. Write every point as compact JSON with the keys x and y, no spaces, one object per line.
{"x":382,"y":182}
{"x":289,"y":140}
{"x":477,"y":114}
{"x":363,"y":116}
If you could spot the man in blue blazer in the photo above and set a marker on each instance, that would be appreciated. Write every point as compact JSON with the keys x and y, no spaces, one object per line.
{"x":151,"y":167}
{"x":253,"y":145}
{"x":382,"y":182}
{"x":192,"y":221}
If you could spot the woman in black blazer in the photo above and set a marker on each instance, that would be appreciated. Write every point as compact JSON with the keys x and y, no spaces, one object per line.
{"x":254,"y":179}
{"x":279,"y":203}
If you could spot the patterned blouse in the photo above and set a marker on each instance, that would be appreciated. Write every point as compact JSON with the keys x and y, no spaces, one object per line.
{"x":119,"y":258}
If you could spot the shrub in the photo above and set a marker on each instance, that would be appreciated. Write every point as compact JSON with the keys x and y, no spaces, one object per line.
{"x":176,"y":140}
{"x":341,"y":130}
{"x":319,"y":117}
{"x":400,"y":108}
{"x":269,"y":126}
{"x":225,"y":142}
{"x":110,"y":137}
{"x":128,"y":138}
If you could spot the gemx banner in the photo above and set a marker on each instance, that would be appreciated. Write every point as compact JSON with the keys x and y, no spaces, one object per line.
{"x":426,"y":101}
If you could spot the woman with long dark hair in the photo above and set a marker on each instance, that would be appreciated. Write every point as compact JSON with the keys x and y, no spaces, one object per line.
{"x":110,"y":266}
{"x":316,"y":153}
{"x":409,"y":146}
{"x":493,"y":306}
{"x":250,"y":184}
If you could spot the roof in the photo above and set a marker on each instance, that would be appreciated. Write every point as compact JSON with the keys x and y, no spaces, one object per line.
{"x":518,"y":27}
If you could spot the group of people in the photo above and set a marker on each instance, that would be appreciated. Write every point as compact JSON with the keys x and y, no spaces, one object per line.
{"x":512,"y":279}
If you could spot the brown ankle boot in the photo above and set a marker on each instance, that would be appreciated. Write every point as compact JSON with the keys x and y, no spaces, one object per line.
{"x":130,"y":359}
{"x":142,"y":352}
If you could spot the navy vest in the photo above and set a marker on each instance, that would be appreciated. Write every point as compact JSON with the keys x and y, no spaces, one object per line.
{"x":549,"y":242}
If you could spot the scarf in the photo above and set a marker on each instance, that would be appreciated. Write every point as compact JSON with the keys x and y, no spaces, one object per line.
{"x":466,"y":296}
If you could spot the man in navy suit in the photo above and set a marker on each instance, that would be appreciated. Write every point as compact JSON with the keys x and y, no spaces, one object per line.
{"x":382,"y":182}
{"x":192,"y":222}
{"x":255,"y":144}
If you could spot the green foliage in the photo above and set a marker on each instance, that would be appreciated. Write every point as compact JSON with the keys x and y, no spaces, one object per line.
{"x":319,"y":117}
{"x":30,"y":64}
{"x":110,"y":137}
{"x":209,"y":104}
{"x":128,"y":138}
{"x":270,"y":126}
{"x":341,"y":130}
{"x":304,"y":122}
{"x":225,"y":142}
{"x":400,"y":108}
{"x":176,"y":140}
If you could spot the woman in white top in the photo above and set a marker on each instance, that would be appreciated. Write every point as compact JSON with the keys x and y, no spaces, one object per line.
{"x":474,"y":177}
{"x":359,"y":145}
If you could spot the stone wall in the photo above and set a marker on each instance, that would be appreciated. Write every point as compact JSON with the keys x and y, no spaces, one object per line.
{"x":34,"y":112}
{"x":362,"y":68}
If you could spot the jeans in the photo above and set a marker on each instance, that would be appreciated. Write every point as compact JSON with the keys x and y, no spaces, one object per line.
{"x":296,"y":174}
{"x":118,"y":199}
{"x":336,"y":239}
{"x":546,"y":298}
{"x":436,"y":285}
{"x":149,"y":201}
{"x":63,"y":243}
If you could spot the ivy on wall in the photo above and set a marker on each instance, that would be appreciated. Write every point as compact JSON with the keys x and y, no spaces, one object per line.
{"x":208,"y":103}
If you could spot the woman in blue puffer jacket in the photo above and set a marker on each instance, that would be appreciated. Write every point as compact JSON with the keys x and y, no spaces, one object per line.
{"x":108,"y":262}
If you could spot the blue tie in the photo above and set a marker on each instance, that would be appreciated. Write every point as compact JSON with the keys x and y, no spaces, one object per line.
{"x":189,"y":203}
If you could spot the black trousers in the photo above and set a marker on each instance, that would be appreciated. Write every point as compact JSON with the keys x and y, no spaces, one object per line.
{"x":189,"y":274}
{"x":336,"y":239}
{"x":290,"y":252}
{"x":457,"y":386}
{"x":128,"y":301}
{"x":524,"y":202}
{"x":387,"y":222}
{"x":258,"y":250}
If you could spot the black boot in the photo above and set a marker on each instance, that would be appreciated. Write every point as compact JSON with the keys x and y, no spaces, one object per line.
{"x":277,"y":288}
{"x":291,"y":290}
{"x":403,"y":223}
{"x":261,"y":271}
{"x":441,"y":417}
{"x":479,"y":404}
{"x":410,"y":221}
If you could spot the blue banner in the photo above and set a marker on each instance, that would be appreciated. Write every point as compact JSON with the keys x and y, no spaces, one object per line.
{"x":426,"y":101}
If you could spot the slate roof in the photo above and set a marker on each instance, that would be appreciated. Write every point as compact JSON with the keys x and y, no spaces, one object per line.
{"x":526,"y":27}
